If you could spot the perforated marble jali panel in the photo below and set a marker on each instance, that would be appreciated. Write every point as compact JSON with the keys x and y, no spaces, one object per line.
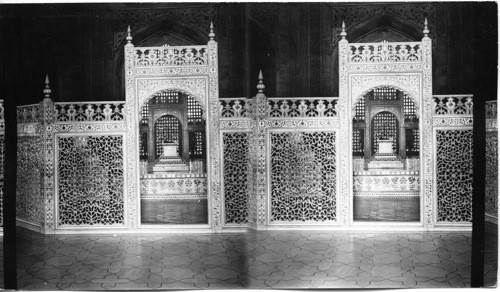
{"x":90,"y":180}
{"x":29,"y":197}
{"x":491,"y":191}
{"x":303,"y":176}
{"x":236,"y":175}
{"x":454,"y":175}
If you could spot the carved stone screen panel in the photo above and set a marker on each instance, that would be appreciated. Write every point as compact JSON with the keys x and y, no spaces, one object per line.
{"x":167,"y":128}
{"x":29,"y":197}
{"x":385,"y":125}
{"x":491,"y":191}
{"x":236,"y":177}
{"x":303,"y":176}
{"x":454,"y":175}
{"x":90,"y":180}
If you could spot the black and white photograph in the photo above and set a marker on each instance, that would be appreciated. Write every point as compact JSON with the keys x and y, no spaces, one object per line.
{"x":248,"y":145}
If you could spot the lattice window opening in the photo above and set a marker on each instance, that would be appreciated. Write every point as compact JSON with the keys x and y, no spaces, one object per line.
{"x":412,"y":137}
{"x":384,"y":93}
{"x":303,"y":178}
{"x":197,"y":144}
{"x":236,"y":177}
{"x":385,"y":126}
{"x":143,"y":132}
{"x":358,"y":142}
{"x":235,"y":108}
{"x":301,"y":108}
{"x":194,"y":111}
{"x":168,"y":129}
{"x":454,"y":175}
{"x":89,"y":112}
{"x":167,"y":97}
{"x":90,"y":180}
{"x":359,"y":110}
{"x":453,"y":105}
{"x":409,"y":109}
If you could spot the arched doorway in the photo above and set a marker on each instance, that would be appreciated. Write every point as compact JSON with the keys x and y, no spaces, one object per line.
{"x":385,"y":157}
{"x":173,"y":160}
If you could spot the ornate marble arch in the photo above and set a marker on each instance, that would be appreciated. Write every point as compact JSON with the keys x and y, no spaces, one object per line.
{"x":412,"y":77}
{"x":409,"y":84}
{"x":196,"y":87}
{"x":142,"y":83}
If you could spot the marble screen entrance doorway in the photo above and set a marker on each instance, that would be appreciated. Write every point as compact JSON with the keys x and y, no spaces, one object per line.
{"x":172,"y":149}
{"x":386,"y":157}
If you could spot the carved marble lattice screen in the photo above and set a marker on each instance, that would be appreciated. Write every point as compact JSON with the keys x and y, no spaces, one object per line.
{"x":303,"y":176}
{"x":90,"y":180}
{"x":385,"y":125}
{"x":236,"y":177}
{"x":491,"y":191}
{"x":454,"y":175}
{"x":29,"y":196}
{"x":167,"y":128}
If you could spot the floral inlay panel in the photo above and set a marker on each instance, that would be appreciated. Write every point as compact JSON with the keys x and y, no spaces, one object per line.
{"x":236,"y":177}
{"x":90,"y":180}
{"x":29,"y":196}
{"x":303,"y":176}
{"x":454,"y":175}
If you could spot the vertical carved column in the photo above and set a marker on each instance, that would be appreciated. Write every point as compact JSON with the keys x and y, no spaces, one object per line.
{"x":47,"y":159}
{"x":214,"y":134}
{"x":345,"y":155}
{"x":259,"y":146}
{"x":131,"y":142}
{"x":427,"y":148}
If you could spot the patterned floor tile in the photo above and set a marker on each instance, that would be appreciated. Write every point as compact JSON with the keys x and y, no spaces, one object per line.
{"x":263,"y":259}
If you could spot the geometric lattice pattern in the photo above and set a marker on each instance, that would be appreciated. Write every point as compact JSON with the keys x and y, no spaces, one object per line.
{"x":166,"y":97}
{"x":90,"y":180}
{"x":384,"y":93}
{"x":303,"y":176}
{"x":236,"y":180}
{"x":29,"y":197}
{"x":359,"y":110}
{"x":167,"y":129}
{"x":385,"y":125}
{"x":412,"y":142}
{"x":409,"y":109}
{"x":454,"y":175}
{"x":358,"y":142}
{"x":197,"y":144}
{"x":194,"y":111}
{"x":491,"y":171}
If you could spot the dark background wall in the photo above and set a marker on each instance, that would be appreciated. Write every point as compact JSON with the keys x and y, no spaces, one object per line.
{"x":80,"y":46}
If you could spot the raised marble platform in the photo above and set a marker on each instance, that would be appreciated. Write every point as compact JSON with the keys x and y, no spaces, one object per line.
{"x":174,"y":186}
{"x":385,"y":161}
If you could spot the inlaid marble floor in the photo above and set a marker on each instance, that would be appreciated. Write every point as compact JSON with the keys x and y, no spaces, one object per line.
{"x":264,"y":259}
{"x":387,"y":208}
